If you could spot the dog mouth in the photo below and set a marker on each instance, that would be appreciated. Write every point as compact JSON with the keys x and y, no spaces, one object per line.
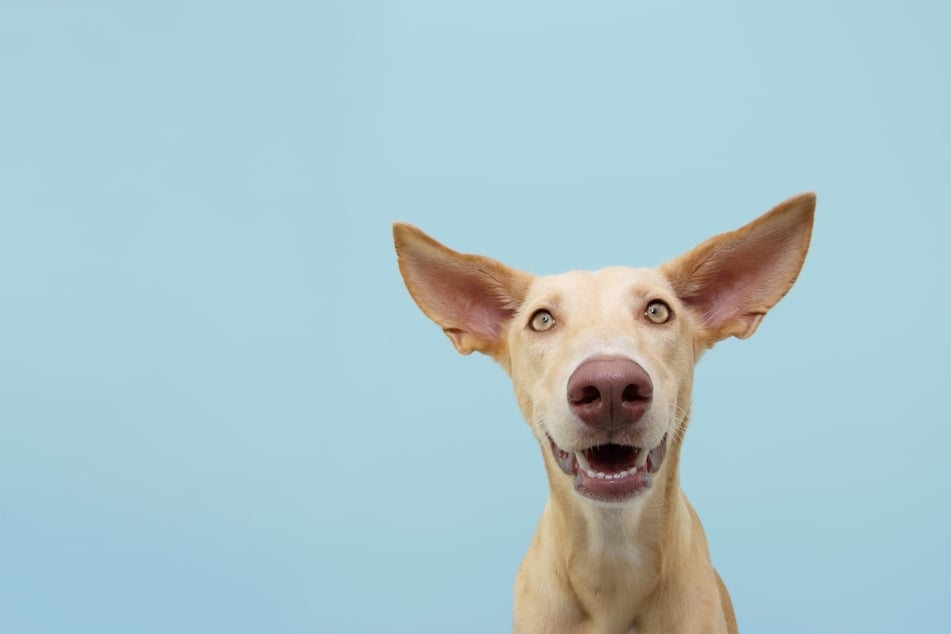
{"x":611,"y":472}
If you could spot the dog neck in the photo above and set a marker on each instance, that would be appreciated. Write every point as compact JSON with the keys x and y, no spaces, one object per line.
{"x":621,"y":551}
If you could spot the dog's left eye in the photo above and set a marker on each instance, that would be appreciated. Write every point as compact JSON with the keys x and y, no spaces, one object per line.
{"x":657,"y":312}
{"x":542,"y":320}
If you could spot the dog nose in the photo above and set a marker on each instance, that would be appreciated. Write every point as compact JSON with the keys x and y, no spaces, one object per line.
{"x":609,"y":393}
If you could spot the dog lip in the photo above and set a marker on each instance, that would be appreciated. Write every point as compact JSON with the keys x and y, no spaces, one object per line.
{"x":566,"y":459}
{"x":656,"y":456}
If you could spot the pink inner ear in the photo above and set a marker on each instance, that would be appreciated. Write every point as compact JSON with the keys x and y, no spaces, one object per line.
{"x":726,"y":297}
{"x":464,"y":298}
{"x":471,"y":297}
{"x":725,"y":282}
{"x":735,"y":282}
{"x":477,"y":303}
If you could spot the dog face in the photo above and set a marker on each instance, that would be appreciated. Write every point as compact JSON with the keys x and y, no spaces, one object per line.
{"x":602,"y":362}
{"x":602,"y":365}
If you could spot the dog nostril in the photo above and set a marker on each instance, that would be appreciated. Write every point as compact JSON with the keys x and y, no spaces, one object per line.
{"x":589,"y":394}
{"x":633,"y":393}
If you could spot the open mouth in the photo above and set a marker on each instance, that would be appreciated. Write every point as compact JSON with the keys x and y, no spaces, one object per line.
{"x":611,"y":473}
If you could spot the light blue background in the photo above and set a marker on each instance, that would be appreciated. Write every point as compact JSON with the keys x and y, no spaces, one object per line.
{"x":221,"y":412}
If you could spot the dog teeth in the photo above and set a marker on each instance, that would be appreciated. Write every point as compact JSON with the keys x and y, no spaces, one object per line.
{"x":641,"y":458}
{"x":597,"y":475}
{"x":585,"y":466}
{"x":583,"y":462}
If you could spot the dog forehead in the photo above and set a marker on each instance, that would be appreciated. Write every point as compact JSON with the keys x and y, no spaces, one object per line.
{"x":596,"y":287}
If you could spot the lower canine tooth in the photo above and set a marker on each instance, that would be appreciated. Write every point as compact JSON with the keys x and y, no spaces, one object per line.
{"x":583,"y":462}
{"x":641,"y":458}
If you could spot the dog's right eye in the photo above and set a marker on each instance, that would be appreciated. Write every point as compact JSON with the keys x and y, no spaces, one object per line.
{"x":541,"y":321}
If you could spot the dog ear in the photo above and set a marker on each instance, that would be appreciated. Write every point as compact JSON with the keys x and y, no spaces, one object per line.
{"x":471,"y":297}
{"x":733,"y":279}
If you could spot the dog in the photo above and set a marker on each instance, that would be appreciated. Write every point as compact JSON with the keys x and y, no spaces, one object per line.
{"x":602,"y":365}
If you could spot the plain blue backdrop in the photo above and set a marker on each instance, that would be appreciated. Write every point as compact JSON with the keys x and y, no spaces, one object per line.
{"x":221,"y":412}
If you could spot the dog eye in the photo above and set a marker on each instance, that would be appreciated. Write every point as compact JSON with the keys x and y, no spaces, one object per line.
{"x":542,"y":320}
{"x":657,"y":312}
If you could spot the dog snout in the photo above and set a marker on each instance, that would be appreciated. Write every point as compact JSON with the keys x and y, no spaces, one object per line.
{"x":609,"y":394}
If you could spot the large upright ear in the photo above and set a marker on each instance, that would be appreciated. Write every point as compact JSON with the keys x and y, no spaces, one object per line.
{"x":471,"y":297}
{"x":731,"y":280}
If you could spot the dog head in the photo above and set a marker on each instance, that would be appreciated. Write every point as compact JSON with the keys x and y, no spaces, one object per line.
{"x":602,"y":361}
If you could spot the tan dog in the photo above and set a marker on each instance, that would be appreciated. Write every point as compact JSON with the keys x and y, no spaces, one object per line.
{"x":602,"y":364}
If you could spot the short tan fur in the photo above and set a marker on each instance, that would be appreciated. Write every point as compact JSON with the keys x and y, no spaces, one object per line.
{"x":602,"y":366}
